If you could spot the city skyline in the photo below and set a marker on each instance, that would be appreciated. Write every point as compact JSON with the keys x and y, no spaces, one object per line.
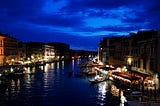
{"x":81,"y":24}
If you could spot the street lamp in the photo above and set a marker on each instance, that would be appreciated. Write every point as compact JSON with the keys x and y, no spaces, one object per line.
{"x":12,"y":61}
{"x":129,"y":62}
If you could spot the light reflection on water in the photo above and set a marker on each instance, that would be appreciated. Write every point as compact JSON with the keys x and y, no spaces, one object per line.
{"x":50,"y":85}
{"x":102,"y":89}
{"x":73,"y":65}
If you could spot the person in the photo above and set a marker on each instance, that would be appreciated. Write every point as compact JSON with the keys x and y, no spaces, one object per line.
{"x":122,"y":99}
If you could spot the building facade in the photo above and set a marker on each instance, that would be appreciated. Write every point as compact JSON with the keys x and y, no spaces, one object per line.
{"x":49,"y":53}
{"x":113,"y":50}
{"x":37,"y":51}
{"x":146,"y":51}
{"x":22,"y":52}
{"x":103,"y":51}
{"x":62,"y":50}
{"x":139,"y":51}
{"x":8,"y":50}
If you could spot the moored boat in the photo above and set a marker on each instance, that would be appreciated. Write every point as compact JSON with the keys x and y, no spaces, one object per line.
{"x":17,"y":72}
{"x":98,"y":79}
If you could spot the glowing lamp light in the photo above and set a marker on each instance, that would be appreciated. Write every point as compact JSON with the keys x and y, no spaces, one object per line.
{"x":12,"y":60}
{"x":32,"y":57}
{"x":129,"y":61}
{"x":100,"y":63}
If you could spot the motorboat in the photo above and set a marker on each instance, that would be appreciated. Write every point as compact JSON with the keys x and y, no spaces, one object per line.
{"x":98,"y":79}
{"x":17,"y":72}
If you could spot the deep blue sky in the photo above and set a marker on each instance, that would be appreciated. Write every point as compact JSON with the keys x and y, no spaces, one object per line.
{"x":80,"y":23}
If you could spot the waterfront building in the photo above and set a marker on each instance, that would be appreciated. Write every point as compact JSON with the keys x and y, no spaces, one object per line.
{"x":139,"y":51}
{"x":113,"y":50}
{"x":61,"y":50}
{"x":37,"y":51}
{"x":49,"y":53}
{"x":77,"y":54}
{"x":8,"y":49}
{"x":22,"y":52}
{"x":103,"y":51}
{"x":146,"y":51}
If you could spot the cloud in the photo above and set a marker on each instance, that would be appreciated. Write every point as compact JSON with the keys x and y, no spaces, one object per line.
{"x":57,"y":20}
{"x":31,"y":32}
{"x":72,"y":21}
{"x":83,"y":5}
{"x":20,"y":8}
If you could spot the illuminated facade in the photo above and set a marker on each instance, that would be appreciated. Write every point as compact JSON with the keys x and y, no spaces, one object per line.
{"x":139,"y":52}
{"x":49,"y":53}
{"x":112,"y":50}
{"x":61,"y":50}
{"x":146,"y":51}
{"x":37,"y":51}
{"x":8,"y":50}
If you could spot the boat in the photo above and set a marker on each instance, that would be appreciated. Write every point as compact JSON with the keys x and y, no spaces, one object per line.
{"x":17,"y":72}
{"x":97,"y":79}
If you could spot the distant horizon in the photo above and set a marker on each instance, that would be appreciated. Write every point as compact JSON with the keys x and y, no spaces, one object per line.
{"x":78,"y":48}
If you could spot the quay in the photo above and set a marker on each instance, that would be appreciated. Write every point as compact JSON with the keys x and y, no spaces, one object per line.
{"x":137,"y":103}
{"x":16,"y":70}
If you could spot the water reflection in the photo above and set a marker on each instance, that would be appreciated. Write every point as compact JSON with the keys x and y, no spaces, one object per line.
{"x":29,"y":70}
{"x":73,"y":65}
{"x":102,"y":89}
{"x":114,"y":90}
{"x":62,"y":65}
{"x":52,"y":65}
{"x":78,"y":61}
{"x":58,"y":67}
{"x":104,"y":94}
{"x":50,"y":85}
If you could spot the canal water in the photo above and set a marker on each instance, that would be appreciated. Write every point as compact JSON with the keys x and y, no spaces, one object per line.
{"x":51,"y":85}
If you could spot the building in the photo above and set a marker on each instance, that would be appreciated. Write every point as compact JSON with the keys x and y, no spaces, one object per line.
{"x":112,"y":50}
{"x":49,"y":52}
{"x":61,"y":50}
{"x":103,"y":51}
{"x":139,"y":51}
{"x":22,"y":52}
{"x":8,"y":50}
{"x":80,"y":54}
{"x":37,"y":51}
{"x":145,"y":53}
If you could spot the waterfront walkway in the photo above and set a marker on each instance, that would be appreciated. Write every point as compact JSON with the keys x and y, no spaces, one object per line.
{"x":137,"y":103}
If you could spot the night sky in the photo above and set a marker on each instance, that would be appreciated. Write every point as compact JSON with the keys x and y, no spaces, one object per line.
{"x":80,"y":23}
